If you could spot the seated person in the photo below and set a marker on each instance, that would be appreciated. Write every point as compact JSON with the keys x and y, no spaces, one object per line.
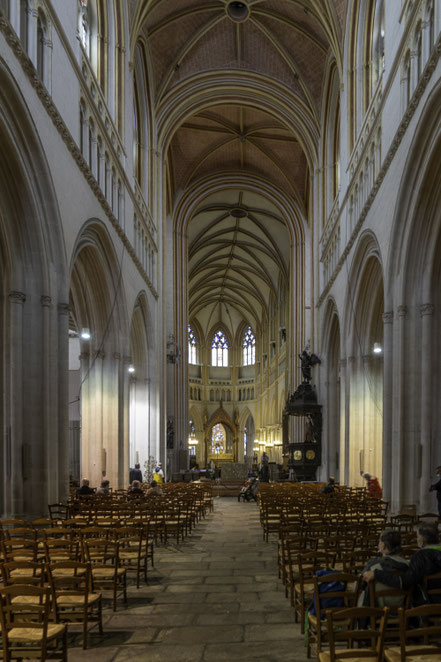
{"x":426,"y":561}
{"x":104,"y":487}
{"x":85,"y":489}
{"x":390,"y":561}
{"x":330,"y":487}
{"x":135,"y":489}
{"x":154,"y":489}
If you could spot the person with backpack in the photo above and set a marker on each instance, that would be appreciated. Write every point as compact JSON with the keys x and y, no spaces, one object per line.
{"x":426,"y":561}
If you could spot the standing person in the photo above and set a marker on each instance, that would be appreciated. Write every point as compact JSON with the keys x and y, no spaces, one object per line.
{"x":437,"y":487}
{"x":373,"y":486}
{"x":158,"y":474}
{"x":135,"y":474}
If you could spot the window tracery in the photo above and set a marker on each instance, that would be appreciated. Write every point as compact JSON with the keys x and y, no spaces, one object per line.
{"x":192,"y":346}
{"x":249,"y":347}
{"x":219,"y":350}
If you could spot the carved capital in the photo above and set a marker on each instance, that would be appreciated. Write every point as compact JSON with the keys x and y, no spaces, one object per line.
{"x":84,"y":356}
{"x":17,"y":297}
{"x":63,"y":309}
{"x":46,"y":301}
{"x":351,"y":359}
{"x":116,"y":356}
{"x":427,"y":309}
{"x":100,"y":355}
{"x":402,"y":311}
{"x":388,"y":317}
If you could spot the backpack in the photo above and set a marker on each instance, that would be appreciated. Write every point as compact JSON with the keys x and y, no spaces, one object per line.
{"x":327,"y":587}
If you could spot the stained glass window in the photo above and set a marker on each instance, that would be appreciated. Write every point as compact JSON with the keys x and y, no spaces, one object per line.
{"x":219,"y":350}
{"x":218,"y":439}
{"x":192,"y":346}
{"x":249,"y":347}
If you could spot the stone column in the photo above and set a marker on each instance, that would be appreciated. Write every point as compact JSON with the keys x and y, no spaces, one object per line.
{"x":388,"y":319}
{"x":14,"y":450}
{"x":123,"y":424}
{"x":342,"y":416}
{"x":63,"y":397}
{"x":49,"y":459}
{"x":110,"y":425}
{"x":397,"y":409}
{"x":426,"y":312}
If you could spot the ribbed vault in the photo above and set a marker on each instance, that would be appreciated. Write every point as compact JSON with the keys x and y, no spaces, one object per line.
{"x":238,"y":256}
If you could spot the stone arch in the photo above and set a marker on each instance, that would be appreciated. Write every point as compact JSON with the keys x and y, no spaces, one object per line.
{"x":221,"y":416}
{"x":364,"y":369}
{"x":333,"y":449}
{"x":98,"y":302}
{"x":143,"y":441}
{"x":413,"y":308}
{"x":33,"y":316}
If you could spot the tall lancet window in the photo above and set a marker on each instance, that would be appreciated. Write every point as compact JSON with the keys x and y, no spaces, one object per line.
{"x":84,"y":26}
{"x":192,"y":346}
{"x":249,"y":347}
{"x":219,"y":350}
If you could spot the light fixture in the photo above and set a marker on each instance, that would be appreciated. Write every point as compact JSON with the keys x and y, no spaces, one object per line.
{"x":131,"y":368}
{"x":85,"y":333}
{"x":278,"y":443}
{"x":192,"y":441}
{"x":377,"y":348}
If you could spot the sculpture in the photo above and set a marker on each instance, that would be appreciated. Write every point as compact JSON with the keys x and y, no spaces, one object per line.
{"x":308,"y":360}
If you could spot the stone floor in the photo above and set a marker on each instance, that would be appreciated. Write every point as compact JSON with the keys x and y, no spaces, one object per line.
{"x":215,"y":597}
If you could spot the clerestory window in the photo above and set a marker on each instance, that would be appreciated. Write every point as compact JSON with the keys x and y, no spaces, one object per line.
{"x":249,"y":347}
{"x":192,"y":346}
{"x":219,"y":350}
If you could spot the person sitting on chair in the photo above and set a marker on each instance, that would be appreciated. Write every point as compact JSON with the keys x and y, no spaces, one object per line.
{"x":426,"y":561}
{"x":390,"y":561}
{"x":85,"y":489}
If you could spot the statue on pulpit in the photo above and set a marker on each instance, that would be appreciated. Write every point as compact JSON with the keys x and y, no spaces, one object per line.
{"x":308,"y":360}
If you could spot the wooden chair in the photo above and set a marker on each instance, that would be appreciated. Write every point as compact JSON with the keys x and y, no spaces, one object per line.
{"x":22,"y":572}
{"x":19,"y":549}
{"x":393,"y":598}
{"x":103,"y":555}
{"x":26,"y":631}
{"x":308,"y":563}
{"x":58,"y":512}
{"x":344,"y":589}
{"x":432,"y":587}
{"x":428,"y":632}
{"x":132,"y":551}
{"x":71,"y":596}
{"x":348,"y":642}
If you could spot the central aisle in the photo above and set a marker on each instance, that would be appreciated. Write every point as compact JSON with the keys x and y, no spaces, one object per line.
{"x":214,"y":598}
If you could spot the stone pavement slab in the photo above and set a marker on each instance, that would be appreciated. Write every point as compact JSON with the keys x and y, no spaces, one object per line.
{"x":213,"y":598}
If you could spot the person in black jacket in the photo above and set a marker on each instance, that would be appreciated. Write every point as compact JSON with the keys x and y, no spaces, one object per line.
{"x":437,"y":486}
{"x":426,"y":561}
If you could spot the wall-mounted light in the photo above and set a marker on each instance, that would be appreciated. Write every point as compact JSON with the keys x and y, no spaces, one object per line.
{"x":377,"y":348}
{"x":85,"y":333}
{"x":131,"y":368}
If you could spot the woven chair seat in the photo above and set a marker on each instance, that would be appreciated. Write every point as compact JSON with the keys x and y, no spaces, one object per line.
{"x":34,"y":635}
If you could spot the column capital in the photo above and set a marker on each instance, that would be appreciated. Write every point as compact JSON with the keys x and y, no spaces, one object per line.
{"x":388,"y":317}
{"x":84,"y":356}
{"x":351,"y":359}
{"x":367,"y":358}
{"x":63,"y":308}
{"x":117,"y":356}
{"x":427,"y":309}
{"x":100,"y":355}
{"x":46,"y":301}
{"x":17,"y":297}
{"x":402,"y":311}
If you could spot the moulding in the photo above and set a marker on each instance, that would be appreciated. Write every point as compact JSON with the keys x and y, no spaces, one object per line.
{"x":51,"y":109}
{"x":402,"y":128}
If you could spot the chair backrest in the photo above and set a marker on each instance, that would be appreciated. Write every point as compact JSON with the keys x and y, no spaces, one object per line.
{"x":58,"y":511}
{"x":335,"y":590}
{"x":19,"y":549}
{"x":425,"y":630}
{"x":432,"y":587}
{"x":381,"y":595}
{"x":344,"y":628}
{"x":24,"y":606}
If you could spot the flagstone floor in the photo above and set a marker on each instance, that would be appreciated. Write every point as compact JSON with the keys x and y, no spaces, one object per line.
{"x":214,"y":598}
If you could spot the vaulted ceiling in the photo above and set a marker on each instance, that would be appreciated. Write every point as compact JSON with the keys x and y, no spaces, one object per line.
{"x":239,"y":247}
